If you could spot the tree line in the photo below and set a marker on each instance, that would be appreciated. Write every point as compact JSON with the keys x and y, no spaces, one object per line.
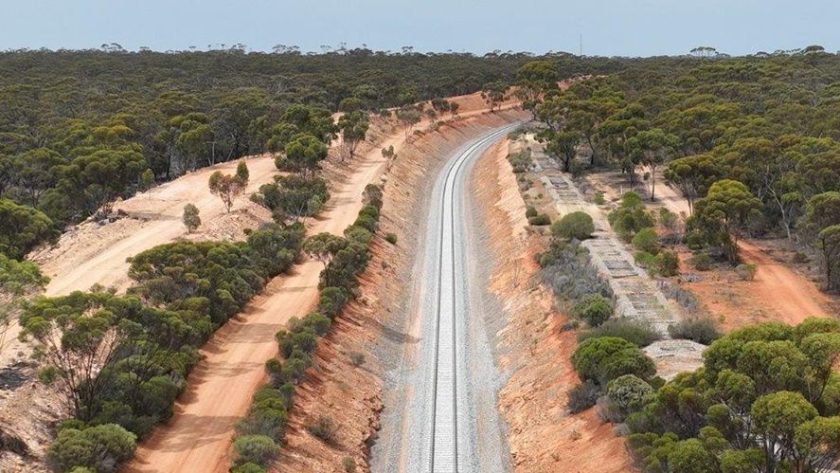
{"x":79,"y":129}
{"x":752,"y":143}
{"x":260,"y":433}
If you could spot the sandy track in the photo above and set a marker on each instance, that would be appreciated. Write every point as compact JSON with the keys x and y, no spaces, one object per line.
{"x":221,"y":385}
{"x":793,"y":296}
{"x":777,"y":289}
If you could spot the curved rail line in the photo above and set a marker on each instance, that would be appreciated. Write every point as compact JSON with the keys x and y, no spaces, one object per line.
{"x":443,"y":456}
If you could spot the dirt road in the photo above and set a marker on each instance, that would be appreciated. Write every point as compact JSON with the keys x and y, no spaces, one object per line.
{"x":778,"y":292}
{"x":220,"y":387}
{"x":794,"y":297}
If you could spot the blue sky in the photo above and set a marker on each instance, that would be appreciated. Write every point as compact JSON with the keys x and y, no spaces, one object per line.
{"x":609,"y":27}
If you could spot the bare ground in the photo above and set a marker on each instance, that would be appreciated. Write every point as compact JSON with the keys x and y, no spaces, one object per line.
{"x":779,"y":291}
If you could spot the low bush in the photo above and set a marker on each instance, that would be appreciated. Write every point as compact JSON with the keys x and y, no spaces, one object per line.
{"x":630,"y":216}
{"x":569,"y":273}
{"x":248,"y":468}
{"x":357,"y":358}
{"x":331,"y":300}
{"x":645,"y":260}
{"x":627,"y":394}
{"x":595,"y":309}
{"x":646,"y":240}
{"x":602,"y":359}
{"x":293,"y":196}
{"x":268,"y":414}
{"x":583,"y":396}
{"x":521,"y":161}
{"x":599,"y":198}
{"x":100,"y":448}
{"x":637,"y":332}
{"x":699,"y":329}
{"x":701,"y":262}
{"x":19,"y":277}
{"x":349,"y":464}
{"x":668,"y":219}
{"x":539,"y":220}
{"x":746,"y":271}
{"x":324,"y":428}
{"x":530,"y":212}
{"x":256,"y":449}
{"x":667,"y":264}
{"x":576,"y":225}
{"x":391,"y":238}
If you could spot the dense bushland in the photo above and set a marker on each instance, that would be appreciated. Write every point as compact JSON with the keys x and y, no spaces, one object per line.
{"x":79,"y":129}
{"x":766,"y":400}
{"x":120,"y":361}
{"x":752,"y":142}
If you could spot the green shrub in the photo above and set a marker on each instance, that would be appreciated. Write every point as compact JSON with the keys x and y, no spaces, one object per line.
{"x":324,"y":428}
{"x":539,"y":220}
{"x":583,"y":396}
{"x":331,"y":301}
{"x":667,"y":218}
{"x":746,"y":271}
{"x":637,"y":332}
{"x":645,"y":260}
{"x":391,"y":238}
{"x":699,"y":329}
{"x":595,"y":309}
{"x":630,"y":216}
{"x":603,"y":359}
{"x":22,"y":228}
{"x":567,"y":269}
{"x":256,"y":449}
{"x":628,"y":393}
{"x":520,"y":162}
{"x":248,"y":468}
{"x":668,"y":264}
{"x":630,"y":200}
{"x":267,"y":417}
{"x":599,"y":198}
{"x":576,"y":225}
{"x":530,"y":212}
{"x":100,"y":448}
{"x":293,"y":195}
{"x":349,"y":464}
{"x":82,"y":469}
{"x":701,"y":262}
{"x":368,"y":222}
{"x":357,"y":358}
{"x":18,"y":277}
{"x":646,"y":240}
{"x":694,"y":240}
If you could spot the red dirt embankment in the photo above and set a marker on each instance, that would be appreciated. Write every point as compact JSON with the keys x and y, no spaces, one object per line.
{"x":219,"y":390}
{"x":352,"y":395}
{"x":543,"y":436}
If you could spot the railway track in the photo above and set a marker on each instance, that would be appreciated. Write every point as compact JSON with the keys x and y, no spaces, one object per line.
{"x":443,"y":443}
